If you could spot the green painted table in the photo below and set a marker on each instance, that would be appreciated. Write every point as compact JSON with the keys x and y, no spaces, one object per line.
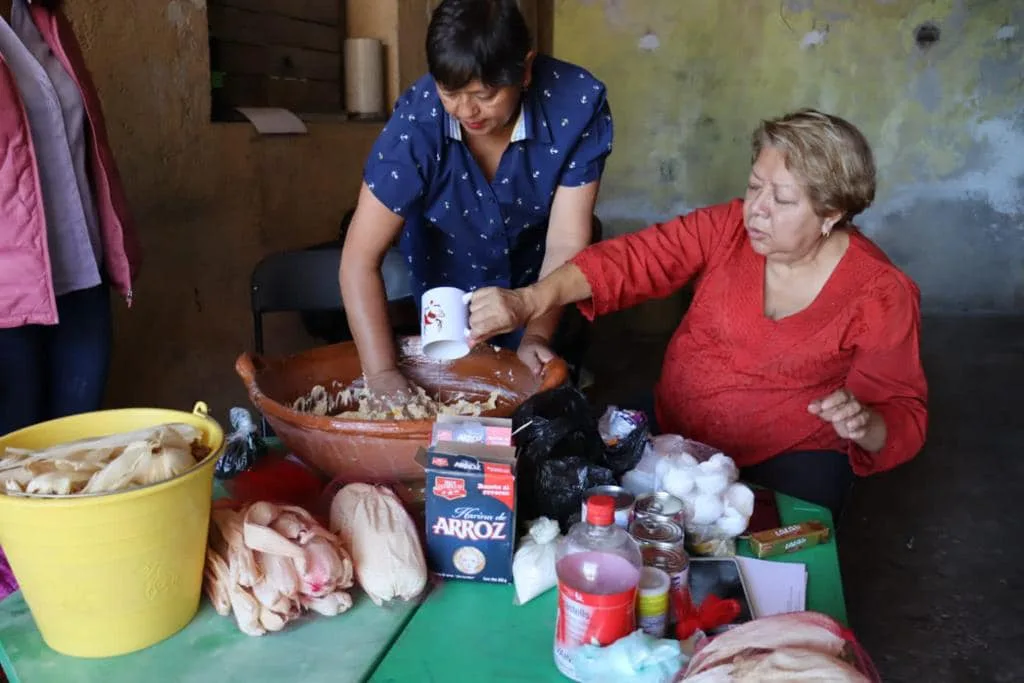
{"x":211,"y":649}
{"x":469,"y":632}
{"x":462,"y":632}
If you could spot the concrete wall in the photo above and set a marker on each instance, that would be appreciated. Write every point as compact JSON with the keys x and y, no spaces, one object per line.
{"x":689,"y":79}
{"x":209,"y":199}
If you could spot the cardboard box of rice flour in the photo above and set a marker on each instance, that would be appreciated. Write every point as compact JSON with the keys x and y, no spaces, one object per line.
{"x":470,"y":507}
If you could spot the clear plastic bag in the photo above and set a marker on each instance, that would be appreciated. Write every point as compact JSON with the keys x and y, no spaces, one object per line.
{"x":659,"y":454}
{"x":533,"y":566}
{"x":626,"y":434}
{"x":243,"y":446}
{"x":637,"y":658}
{"x":716,"y":508}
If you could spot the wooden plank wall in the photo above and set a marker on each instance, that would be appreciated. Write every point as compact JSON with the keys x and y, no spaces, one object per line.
{"x":278,"y":53}
{"x":288,"y":53}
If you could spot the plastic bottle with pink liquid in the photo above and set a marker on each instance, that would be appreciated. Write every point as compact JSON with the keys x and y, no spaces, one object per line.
{"x":598,"y":566}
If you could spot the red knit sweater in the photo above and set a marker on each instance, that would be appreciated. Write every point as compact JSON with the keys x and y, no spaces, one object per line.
{"x":740,"y":381}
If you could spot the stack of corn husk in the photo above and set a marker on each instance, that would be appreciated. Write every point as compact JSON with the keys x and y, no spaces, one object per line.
{"x":104,"y":464}
{"x":267,"y":563}
{"x":800,"y":646}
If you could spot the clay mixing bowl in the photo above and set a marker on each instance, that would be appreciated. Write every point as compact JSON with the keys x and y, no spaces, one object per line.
{"x":379,"y":451}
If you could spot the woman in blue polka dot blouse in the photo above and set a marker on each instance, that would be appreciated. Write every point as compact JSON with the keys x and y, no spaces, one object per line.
{"x":487,"y":172}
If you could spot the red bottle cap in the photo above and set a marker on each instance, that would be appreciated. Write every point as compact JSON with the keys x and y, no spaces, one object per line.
{"x":601,"y":510}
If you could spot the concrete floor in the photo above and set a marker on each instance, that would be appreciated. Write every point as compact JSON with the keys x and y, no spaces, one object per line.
{"x":931,"y":554}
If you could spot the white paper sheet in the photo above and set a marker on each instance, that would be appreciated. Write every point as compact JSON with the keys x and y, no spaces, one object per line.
{"x":774,"y":587}
{"x":273,"y":120}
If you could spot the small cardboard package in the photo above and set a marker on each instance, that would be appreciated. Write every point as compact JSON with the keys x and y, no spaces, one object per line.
{"x":470,"y":507}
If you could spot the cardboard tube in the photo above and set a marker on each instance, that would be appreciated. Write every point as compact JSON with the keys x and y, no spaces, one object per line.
{"x":364,"y":76}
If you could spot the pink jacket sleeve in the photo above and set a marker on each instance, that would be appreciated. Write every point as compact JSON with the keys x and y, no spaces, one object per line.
{"x":887,"y":374}
{"x":655,"y":262}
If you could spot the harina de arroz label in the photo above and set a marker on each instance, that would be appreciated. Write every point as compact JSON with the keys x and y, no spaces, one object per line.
{"x":470,"y":517}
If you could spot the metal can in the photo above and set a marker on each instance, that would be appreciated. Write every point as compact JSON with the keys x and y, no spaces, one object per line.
{"x":623,"y":503}
{"x":674,"y":561}
{"x":652,"y":601}
{"x":655,"y":530}
{"x":659,"y":505}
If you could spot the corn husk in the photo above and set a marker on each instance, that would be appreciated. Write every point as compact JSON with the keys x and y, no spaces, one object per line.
{"x":800,"y":646}
{"x":270,"y":563}
{"x":102,"y":464}
{"x":56,"y":483}
{"x":382,"y":540}
{"x":215,"y":577}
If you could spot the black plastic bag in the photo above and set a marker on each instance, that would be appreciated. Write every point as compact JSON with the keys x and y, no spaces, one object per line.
{"x":561,"y":455}
{"x":560,"y":488}
{"x":242,"y":448}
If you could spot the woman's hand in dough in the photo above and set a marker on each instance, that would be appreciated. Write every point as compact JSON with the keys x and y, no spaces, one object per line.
{"x":535,"y":353}
{"x":389,"y":386}
{"x":494,"y":311}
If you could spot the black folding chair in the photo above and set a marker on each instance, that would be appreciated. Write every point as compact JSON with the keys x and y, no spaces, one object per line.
{"x":305,"y":281}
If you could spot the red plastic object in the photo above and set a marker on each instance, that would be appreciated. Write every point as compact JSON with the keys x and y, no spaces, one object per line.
{"x":711,"y":614}
{"x":276,"y":479}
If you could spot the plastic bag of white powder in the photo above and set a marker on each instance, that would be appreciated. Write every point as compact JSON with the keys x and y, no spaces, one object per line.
{"x":533,"y":566}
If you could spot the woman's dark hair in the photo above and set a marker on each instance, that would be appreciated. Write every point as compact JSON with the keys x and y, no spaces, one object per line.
{"x":485,"y":40}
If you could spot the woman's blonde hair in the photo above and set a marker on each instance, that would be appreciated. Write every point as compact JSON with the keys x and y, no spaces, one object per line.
{"x":829,"y":156}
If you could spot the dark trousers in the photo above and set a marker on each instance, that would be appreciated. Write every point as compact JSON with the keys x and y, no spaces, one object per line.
{"x":50,"y":371}
{"x":820,"y":477}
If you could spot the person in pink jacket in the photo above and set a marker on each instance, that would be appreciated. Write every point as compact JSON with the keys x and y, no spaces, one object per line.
{"x":66,"y":239}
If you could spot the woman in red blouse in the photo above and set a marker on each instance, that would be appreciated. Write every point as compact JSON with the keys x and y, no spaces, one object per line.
{"x":799,"y":356}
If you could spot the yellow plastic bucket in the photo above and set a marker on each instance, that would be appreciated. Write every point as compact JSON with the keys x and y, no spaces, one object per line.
{"x":109,"y":574}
